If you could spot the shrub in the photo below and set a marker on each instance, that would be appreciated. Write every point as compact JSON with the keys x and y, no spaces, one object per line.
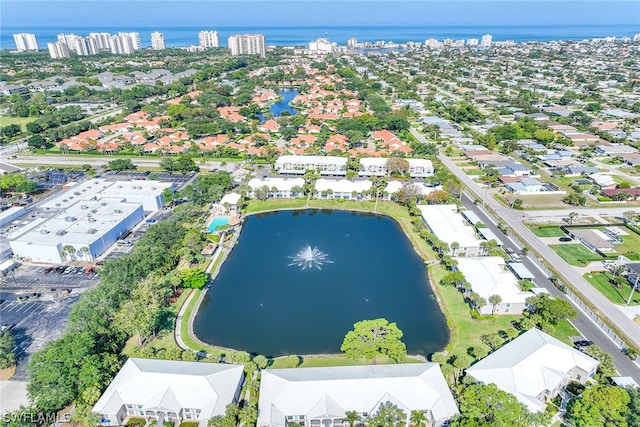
{"x":134,"y":421}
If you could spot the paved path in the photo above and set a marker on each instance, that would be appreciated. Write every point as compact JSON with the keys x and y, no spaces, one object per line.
{"x":513,"y":218}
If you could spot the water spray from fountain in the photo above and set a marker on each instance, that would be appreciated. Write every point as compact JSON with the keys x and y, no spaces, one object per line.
{"x":310,"y":257}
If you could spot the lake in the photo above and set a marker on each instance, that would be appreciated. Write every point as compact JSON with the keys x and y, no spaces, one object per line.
{"x":283,"y":105}
{"x":265,"y":301}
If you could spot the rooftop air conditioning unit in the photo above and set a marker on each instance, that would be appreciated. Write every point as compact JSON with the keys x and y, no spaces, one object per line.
{"x":84,"y":207}
{"x":104,"y":203}
{"x":70,"y":218}
{"x":61,"y":232}
{"x":44,"y":231}
{"x":92,"y":220}
{"x":118,"y":211}
{"x":92,"y":231}
{"x":94,"y":210}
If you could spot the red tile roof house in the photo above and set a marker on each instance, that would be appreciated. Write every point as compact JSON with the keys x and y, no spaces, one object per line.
{"x":269,"y":126}
{"x":633,"y":193}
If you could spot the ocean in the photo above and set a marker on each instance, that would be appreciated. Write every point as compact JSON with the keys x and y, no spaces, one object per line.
{"x":298,"y":36}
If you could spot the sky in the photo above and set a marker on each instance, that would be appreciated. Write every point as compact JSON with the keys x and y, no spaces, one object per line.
{"x":170,"y":13}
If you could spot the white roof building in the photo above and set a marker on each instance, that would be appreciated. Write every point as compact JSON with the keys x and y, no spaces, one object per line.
{"x":298,"y":165}
{"x":283,"y":186}
{"x":89,"y":226}
{"x":322,"y":396}
{"x":449,"y":226}
{"x":534,"y":367}
{"x":172,"y":390}
{"x":342,"y":188}
{"x":377,"y":166}
{"x":231,"y":198}
{"x":489,"y":276}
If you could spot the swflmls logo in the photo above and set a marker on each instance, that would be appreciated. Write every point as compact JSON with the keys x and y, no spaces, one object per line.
{"x":36,"y":418}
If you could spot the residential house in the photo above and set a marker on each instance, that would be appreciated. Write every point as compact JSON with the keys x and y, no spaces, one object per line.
{"x":534,"y":367}
{"x":277,"y":187}
{"x":450,"y":227}
{"x":167,"y":390}
{"x":342,"y":189}
{"x":298,"y":165}
{"x":377,"y":166}
{"x":526,"y":186}
{"x":490,"y":276}
{"x":605,"y":182}
{"x":323,"y":396}
{"x":615,"y":149}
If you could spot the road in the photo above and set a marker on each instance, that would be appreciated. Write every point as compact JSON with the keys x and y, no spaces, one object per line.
{"x":568,"y":274}
{"x":582,"y":322}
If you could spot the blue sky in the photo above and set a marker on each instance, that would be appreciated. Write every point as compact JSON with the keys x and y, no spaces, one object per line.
{"x":144,"y":13}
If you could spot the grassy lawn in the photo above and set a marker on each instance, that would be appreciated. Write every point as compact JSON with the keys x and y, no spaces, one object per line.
{"x":466,"y":332}
{"x":630,"y":241}
{"x":475,"y":172}
{"x":273,"y":204}
{"x":546,"y":231}
{"x":576,"y":254}
{"x":22,"y":121}
{"x":617,"y":296}
{"x":324,"y":360}
{"x":563,"y":331}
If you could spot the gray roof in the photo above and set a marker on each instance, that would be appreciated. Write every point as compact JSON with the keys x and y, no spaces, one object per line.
{"x":520,"y":270}
{"x":488,"y":235}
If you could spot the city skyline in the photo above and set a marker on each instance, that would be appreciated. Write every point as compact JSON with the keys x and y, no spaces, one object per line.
{"x":287,"y":13}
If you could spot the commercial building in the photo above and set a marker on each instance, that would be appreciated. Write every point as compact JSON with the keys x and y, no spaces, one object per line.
{"x":58,"y":50}
{"x":208,"y":39}
{"x":298,"y":165}
{"x":86,"y":219}
{"x":489,"y":276}
{"x":247,"y":44}
{"x":323,"y":396}
{"x":450,"y":227}
{"x":25,"y":42}
{"x":169,"y":391}
{"x":534,"y":368}
{"x":157,"y":41}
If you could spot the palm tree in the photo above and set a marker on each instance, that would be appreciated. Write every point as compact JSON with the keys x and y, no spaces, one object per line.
{"x":418,"y":419}
{"x":454,"y":247}
{"x":494,"y":300}
{"x":352,"y":417}
{"x":572,"y":216}
{"x":68,"y":250}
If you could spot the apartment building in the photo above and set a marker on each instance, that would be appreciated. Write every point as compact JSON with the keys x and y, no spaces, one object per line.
{"x":157,"y":41}
{"x":208,"y":39}
{"x":247,"y":44}
{"x":25,"y":42}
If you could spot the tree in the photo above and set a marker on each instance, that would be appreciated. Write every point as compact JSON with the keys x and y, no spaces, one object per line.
{"x":194,"y":278}
{"x":633,"y":414}
{"x":352,"y":418}
{"x":169,"y":164}
{"x":492,"y":340}
{"x":418,"y":419}
{"x":388,"y":415}
{"x":119,"y":165}
{"x":407,"y":193}
{"x":185,"y":164}
{"x":606,"y":368}
{"x":370,"y":338}
{"x":139,"y":315}
{"x":494,"y":300}
{"x":36,"y":141}
{"x":486,"y":405}
{"x":551,"y":310}
{"x":261,"y":361}
{"x":397,"y":166}
{"x":572,"y":217}
{"x":460,"y":362}
{"x":455,"y":278}
{"x":7,"y":350}
{"x":599,"y":405}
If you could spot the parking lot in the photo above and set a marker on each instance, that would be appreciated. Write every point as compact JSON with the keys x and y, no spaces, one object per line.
{"x":38,"y":304}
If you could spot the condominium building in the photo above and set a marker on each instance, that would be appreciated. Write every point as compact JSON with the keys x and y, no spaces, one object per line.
{"x":25,"y":42}
{"x":322,"y":46}
{"x":487,"y":39}
{"x":157,"y":41}
{"x":101,"y":40}
{"x":247,"y":44}
{"x":58,"y":50}
{"x":208,"y":39}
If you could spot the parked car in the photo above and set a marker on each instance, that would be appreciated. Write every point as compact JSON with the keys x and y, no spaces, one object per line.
{"x":150,"y":220}
{"x":565,"y":239}
{"x":582,"y":343}
{"x":48,"y":269}
{"x":7,"y":327}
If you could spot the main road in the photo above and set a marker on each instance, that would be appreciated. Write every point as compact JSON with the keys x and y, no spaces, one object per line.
{"x":513,"y":218}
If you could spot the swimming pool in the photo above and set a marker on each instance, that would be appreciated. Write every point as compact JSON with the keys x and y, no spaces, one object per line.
{"x":217,"y":222}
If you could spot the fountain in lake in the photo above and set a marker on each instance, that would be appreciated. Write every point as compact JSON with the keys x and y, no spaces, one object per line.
{"x":309,"y":257}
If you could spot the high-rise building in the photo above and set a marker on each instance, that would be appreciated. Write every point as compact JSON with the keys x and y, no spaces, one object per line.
{"x":208,"y":39}
{"x":487,"y":39}
{"x":472,"y":42}
{"x":25,"y":42}
{"x":157,"y":41}
{"x":321,"y":45}
{"x":247,"y":44}
{"x":352,"y":42}
{"x":58,"y":50}
{"x":101,"y":40}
